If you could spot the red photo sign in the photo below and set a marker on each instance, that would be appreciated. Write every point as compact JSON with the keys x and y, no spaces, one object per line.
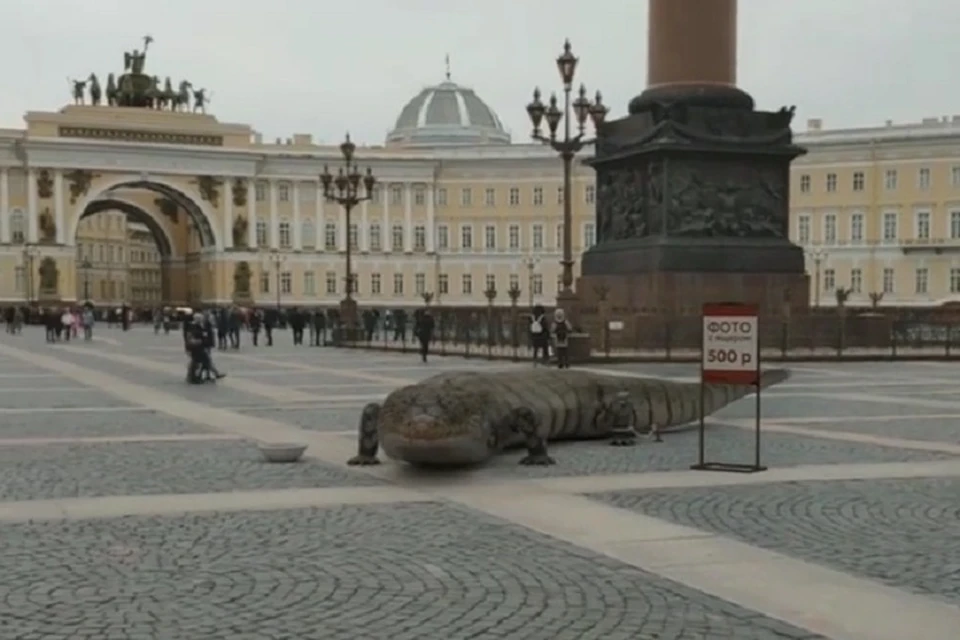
{"x":731,"y":344}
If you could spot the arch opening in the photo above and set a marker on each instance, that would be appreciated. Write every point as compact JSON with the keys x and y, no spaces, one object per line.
{"x":198,"y":219}
{"x":126,"y":263}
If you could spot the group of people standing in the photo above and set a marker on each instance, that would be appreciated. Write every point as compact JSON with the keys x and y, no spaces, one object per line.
{"x":64,"y":324}
{"x":544,"y":334}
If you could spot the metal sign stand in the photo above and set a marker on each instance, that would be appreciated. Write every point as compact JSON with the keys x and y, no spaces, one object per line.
{"x":732,"y":467}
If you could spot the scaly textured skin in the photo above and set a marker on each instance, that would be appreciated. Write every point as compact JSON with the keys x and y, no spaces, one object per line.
{"x":463,"y":418}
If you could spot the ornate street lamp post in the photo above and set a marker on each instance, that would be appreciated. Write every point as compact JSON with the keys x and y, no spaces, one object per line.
{"x":568,"y":146}
{"x":818,"y":256}
{"x":276,"y":259}
{"x":30,"y":252}
{"x":85,"y":266}
{"x":348,"y":189}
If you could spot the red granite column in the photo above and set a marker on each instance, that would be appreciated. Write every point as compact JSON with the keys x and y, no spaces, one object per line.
{"x":692,"y":53}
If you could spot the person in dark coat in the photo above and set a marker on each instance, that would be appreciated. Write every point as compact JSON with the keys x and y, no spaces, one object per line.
{"x":256,"y":323}
{"x":424,"y":332}
{"x":319,"y":328}
{"x":297,"y":322}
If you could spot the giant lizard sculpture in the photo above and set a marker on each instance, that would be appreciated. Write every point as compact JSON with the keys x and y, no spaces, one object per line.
{"x":465,"y":418}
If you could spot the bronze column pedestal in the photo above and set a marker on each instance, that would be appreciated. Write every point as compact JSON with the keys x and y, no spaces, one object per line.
{"x":693,"y":185}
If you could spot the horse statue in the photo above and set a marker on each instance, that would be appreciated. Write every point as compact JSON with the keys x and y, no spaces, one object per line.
{"x":95,"y":93}
{"x":79,"y":88}
{"x":169,"y":97}
{"x":200,"y":100}
{"x":182,"y":103}
{"x":111,"y":90}
{"x":153,"y":94}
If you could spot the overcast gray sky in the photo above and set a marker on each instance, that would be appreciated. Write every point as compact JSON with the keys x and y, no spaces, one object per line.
{"x":322,"y":67}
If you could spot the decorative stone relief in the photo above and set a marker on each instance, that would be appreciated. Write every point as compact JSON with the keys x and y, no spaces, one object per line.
{"x":239,"y":191}
{"x":47,"y":227}
{"x":79,"y":181}
{"x":209,"y":187}
{"x":240,"y":232}
{"x":49,"y":277}
{"x":44,"y":184}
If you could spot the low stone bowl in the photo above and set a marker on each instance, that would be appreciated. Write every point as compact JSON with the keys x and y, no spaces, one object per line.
{"x":282,"y":451}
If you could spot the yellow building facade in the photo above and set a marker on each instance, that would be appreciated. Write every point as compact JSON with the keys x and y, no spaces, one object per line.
{"x":118,"y":261}
{"x":877,"y":211}
{"x":458,"y":209}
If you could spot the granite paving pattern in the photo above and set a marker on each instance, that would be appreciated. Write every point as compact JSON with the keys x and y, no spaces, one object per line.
{"x":776,"y":406}
{"x":392,"y":572}
{"x":82,"y":424}
{"x":929,"y":429}
{"x":905,"y":533}
{"x":142,"y":468}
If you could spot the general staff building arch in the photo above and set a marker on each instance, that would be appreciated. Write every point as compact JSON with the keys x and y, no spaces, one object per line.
{"x":458,"y":208}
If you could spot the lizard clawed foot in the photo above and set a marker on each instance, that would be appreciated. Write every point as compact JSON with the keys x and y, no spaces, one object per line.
{"x":537,"y":460}
{"x":362,"y":460}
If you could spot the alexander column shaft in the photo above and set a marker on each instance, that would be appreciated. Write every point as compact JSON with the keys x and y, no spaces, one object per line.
{"x":692,"y":54}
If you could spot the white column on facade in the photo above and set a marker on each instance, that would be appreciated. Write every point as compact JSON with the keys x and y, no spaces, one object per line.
{"x":251,"y":214}
{"x":407,"y":218}
{"x":364,"y":226}
{"x":342,"y":229}
{"x":274,"y":217}
{"x":58,"y":214}
{"x":4,"y":206}
{"x":431,"y":221}
{"x":227,"y":214}
{"x":318,"y":214}
{"x":386,"y":233}
{"x":297,"y":235}
{"x":32,"y":235}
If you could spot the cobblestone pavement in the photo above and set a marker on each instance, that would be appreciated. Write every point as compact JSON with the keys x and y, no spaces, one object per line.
{"x":394,"y":572}
{"x":439,"y":570}
{"x":902,"y":532}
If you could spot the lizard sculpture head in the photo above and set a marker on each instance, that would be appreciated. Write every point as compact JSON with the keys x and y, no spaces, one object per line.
{"x":448,"y":422}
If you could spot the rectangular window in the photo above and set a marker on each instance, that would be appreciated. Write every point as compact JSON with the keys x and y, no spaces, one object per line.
{"x":590,"y":194}
{"x":419,"y":238}
{"x":890,"y":180}
{"x":309,"y":283}
{"x":831,"y":182}
{"x":955,"y":224}
{"x":830,"y":229}
{"x":954,"y":280}
{"x":856,"y":228}
{"x":466,"y":237}
{"x":805,"y":183}
{"x":859,"y":181}
{"x":856,"y":280}
{"x":514,"y":196}
{"x":923,"y":178}
{"x":286,"y":282}
{"x":261,"y":191}
{"x":923,"y":225}
{"x":443,"y":237}
{"x":375,"y":286}
{"x":420,"y":283}
{"x":330,"y":236}
{"x":283,"y":192}
{"x":803,"y":229}
{"x":490,"y":282}
{"x":443,"y":284}
{"x":537,"y":284}
{"x":514,"y":282}
{"x":419,"y":195}
{"x":888,"y":280}
{"x":398,"y":284}
{"x":490,"y":237}
{"x":538,"y":196}
{"x":396,"y":238}
{"x":466,"y":197}
{"x":490,"y":197}
{"x":589,"y":235}
{"x":331,"y":282}
{"x":513,"y":234}
{"x":466,"y":284}
{"x":19,"y":280}
{"x":921,"y":280}
{"x":829,"y":279}
{"x":264,"y":282}
{"x":441,"y":197}
{"x":889,"y":227}
{"x":396,"y":194}
{"x":537,"y":236}
{"x":376,"y":241}
{"x":285,"y":234}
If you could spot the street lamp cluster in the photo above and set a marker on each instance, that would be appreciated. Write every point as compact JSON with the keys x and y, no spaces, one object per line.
{"x":583,"y":110}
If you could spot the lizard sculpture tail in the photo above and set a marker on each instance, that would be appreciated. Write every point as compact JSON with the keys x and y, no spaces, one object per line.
{"x":467,"y":417}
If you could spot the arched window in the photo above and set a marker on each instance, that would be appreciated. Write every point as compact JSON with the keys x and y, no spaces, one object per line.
{"x":284,"y":230}
{"x":308,"y":235}
{"x":18,"y":227}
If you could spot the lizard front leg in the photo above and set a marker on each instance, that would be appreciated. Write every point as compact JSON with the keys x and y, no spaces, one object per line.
{"x":369,"y":437}
{"x":617,"y":417}
{"x":525,"y":421}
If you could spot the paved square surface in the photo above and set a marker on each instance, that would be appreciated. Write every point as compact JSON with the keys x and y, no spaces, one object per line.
{"x":135,"y":506}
